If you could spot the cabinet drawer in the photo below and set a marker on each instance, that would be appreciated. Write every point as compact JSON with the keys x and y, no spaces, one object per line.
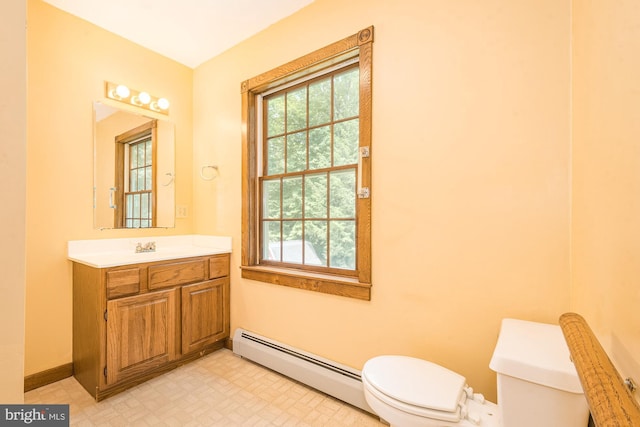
{"x":218,"y":266}
{"x":123,"y":282}
{"x":178,"y":273}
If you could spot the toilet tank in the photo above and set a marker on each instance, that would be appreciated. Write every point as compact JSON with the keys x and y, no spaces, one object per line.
{"x":537,"y":382}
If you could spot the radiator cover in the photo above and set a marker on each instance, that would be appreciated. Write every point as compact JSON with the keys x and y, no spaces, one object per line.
{"x":334,"y":379}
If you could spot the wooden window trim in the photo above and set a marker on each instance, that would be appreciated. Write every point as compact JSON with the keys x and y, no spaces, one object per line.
{"x":357,"y":45}
{"x":121,"y":141}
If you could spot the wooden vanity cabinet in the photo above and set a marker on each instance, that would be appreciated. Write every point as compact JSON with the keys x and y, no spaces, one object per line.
{"x":134,"y":322}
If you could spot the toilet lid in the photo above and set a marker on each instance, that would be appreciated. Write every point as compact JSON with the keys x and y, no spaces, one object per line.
{"x":415,"y":381}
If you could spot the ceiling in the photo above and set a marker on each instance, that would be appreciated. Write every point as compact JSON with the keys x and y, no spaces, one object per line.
{"x":187,"y":31}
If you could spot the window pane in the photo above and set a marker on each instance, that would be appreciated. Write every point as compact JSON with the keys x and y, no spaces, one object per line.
{"x":136,"y":223}
{"x":343,"y":244}
{"x":320,"y":148}
{"x":297,"y":152}
{"x":140,"y":151}
{"x":315,"y":243}
{"x":271,"y":198}
{"x":275,"y":116}
{"x":297,"y":109}
{"x":292,"y":197}
{"x":275,"y":155}
{"x":148,"y":179}
{"x":129,"y":203}
{"x":133,"y":181}
{"x":144,"y":206}
{"x":315,"y":196}
{"x":136,"y":206}
{"x":320,"y":102}
{"x":141,"y":179}
{"x":129,"y":223}
{"x":346,"y":94}
{"x":133,"y":153}
{"x":148,"y":156}
{"x":292,"y":242}
{"x":145,"y":223}
{"x":345,"y":143}
{"x":271,"y":240}
{"x":150,"y":207}
{"x":343,"y":194}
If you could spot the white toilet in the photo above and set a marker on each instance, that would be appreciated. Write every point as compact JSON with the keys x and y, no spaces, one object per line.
{"x":537,"y":385}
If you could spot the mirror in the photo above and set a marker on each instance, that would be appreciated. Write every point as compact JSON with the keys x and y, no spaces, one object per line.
{"x":134,"y":170}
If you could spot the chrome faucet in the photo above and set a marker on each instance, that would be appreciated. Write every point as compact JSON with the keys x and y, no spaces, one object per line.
{"x":147,"y":247}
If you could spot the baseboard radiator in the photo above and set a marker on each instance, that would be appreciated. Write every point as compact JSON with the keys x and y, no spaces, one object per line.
{"x":339,"y":381}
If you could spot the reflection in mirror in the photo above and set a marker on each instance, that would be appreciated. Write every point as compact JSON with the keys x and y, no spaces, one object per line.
{"x":134,"y":170}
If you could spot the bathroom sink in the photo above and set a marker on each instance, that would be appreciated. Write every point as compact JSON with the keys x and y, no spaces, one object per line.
{"x":102,"y":253}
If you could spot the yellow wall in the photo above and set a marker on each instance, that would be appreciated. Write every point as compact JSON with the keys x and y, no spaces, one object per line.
{"x":13,"y":166}
{"x":69,"y":60}
{"x":606,"y":174}
{"x":471,"y":131}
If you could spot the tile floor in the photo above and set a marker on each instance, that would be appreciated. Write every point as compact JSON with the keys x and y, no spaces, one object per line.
{"x":220,"y":389}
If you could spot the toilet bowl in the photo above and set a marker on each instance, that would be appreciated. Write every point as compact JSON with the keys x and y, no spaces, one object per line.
{"x":409,"y":392}
{"x":537,"y":385}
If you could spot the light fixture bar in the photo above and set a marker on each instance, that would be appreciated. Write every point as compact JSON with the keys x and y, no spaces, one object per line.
{"x":139,"y":99}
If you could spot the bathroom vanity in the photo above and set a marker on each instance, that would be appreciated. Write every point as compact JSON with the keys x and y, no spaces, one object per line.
{"x":137,"y":315}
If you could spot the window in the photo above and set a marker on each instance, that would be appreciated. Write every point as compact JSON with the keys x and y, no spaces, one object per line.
{"x":135,"y":175}
{"x":306,"y":171}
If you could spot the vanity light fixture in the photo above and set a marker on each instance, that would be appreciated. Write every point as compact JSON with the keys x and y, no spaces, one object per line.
{"x":139,"y":99}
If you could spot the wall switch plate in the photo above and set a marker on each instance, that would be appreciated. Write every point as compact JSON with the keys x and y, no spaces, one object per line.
{"x":182,"y":211}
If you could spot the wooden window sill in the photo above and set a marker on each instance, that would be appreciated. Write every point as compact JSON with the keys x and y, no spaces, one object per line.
{"x":328,"y":284}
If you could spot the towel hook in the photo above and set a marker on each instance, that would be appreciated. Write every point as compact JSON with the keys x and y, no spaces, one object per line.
{"x":212,"y":177}
{"x":171,"y":178}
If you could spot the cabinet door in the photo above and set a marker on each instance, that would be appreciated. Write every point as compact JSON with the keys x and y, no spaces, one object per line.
{"x":205,"y":314}
{"x":141,"y":333}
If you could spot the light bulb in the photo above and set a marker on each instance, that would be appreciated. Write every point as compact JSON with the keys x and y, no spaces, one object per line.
{"x":144,"y":98}
{"x":163,"y":103}
{"x":122,"y":91}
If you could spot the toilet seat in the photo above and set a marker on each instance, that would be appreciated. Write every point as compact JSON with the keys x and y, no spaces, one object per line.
{"x":417,"y":387}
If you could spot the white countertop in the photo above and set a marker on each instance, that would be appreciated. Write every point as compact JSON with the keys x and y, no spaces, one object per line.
{"x":101,"y":253}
